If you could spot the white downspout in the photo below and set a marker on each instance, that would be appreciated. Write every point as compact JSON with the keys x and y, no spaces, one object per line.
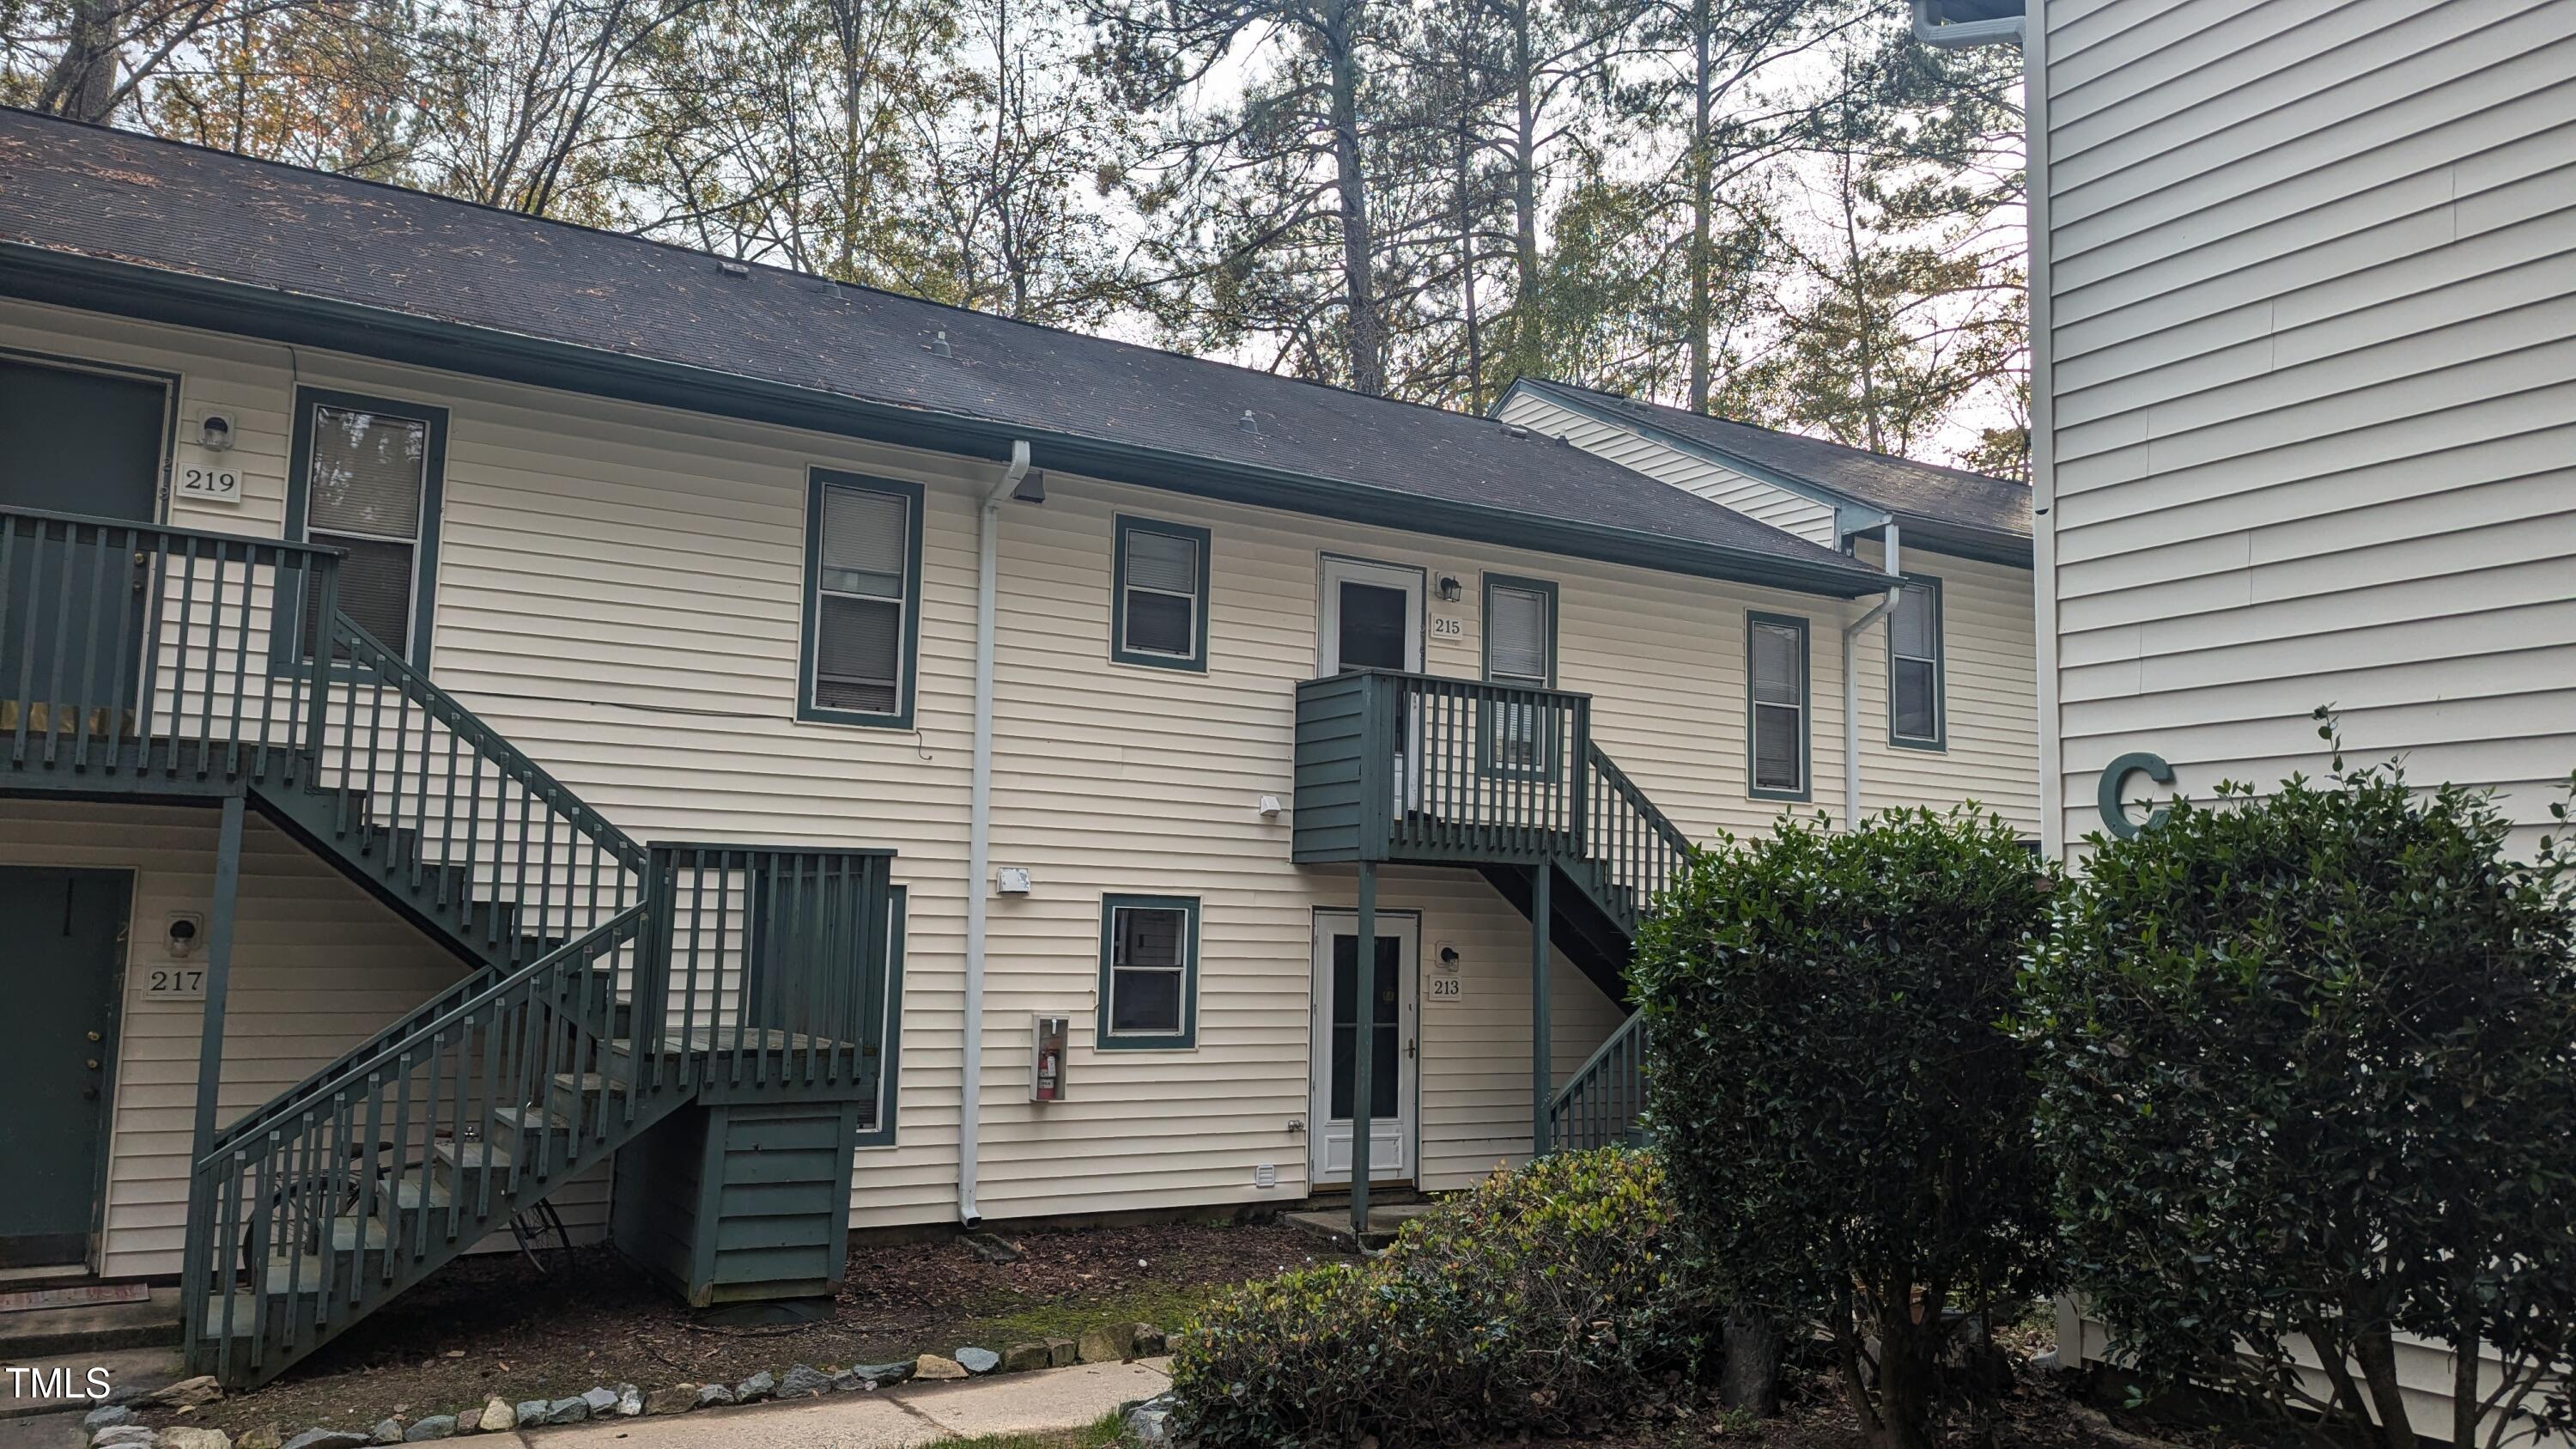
{"x":1851,"y":683}
{"x":979,"y":831}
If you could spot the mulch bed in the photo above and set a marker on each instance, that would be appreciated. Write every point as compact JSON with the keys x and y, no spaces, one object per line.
{"x":489,"y":1326}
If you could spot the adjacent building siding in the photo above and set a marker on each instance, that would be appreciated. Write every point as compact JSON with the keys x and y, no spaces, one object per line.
{"x":2308,"y":323}
{"x":1752,"y":497}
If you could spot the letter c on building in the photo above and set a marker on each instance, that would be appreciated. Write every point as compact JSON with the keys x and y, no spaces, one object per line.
{"x":2115,"y":816}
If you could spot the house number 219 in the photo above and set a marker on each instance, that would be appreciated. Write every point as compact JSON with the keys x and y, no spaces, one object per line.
{"x":210,"y":484}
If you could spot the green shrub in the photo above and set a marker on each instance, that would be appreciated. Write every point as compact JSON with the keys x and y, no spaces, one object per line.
{"x":1546,"y":1299}
{"x":2309,"y":1066}
{"x":1847,"y":1128}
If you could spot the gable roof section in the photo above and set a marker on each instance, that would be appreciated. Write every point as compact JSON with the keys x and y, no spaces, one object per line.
{"x":1971,"y":513}
{"x":111,"y":220}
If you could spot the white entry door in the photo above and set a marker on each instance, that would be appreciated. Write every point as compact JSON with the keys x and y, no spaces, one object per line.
{"x":1372,"y":619}
{"x":1393,"y":1038}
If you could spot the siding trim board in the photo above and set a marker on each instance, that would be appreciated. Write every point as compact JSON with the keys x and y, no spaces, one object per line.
{"x":127,"y":290}
{"x":881,"y":1132}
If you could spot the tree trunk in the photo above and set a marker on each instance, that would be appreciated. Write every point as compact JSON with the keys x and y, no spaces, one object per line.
{"x":1528,"y":346}
{"x":1703,"y":202}
{"x":2377,"y":1354}
{"x":1908,"y":1370}
{"x":83,"y":83}
{"x":1751,"y":1378}
{"x":1359,"y":290}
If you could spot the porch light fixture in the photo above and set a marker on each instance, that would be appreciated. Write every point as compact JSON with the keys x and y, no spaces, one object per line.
{"x":215,"y":434}
{"x":1450,"y":590}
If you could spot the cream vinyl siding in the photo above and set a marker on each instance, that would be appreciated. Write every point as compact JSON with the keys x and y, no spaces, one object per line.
{"x":1774,"y":505}
{"x":2310,"y":342}
{"x":318,"y":966}
{"x":619,"y":594}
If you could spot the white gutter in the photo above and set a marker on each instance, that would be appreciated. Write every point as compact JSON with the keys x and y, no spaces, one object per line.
{"x":979,"y":831}
{"x":1962,"y":34}
{"x":1851,"y":682}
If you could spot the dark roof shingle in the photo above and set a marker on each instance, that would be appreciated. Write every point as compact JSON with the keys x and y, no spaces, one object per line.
{"x":126,"y":198}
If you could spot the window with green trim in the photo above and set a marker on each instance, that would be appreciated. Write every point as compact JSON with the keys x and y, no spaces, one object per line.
{"x":1149,"y":972}
{"x":1914,"y":666}
{"x":365,"y":476}
{"x":1776,"y":711}
{"x":1520,"y":649}
{"x":862,"y":600}
{"x":1159,"y":614}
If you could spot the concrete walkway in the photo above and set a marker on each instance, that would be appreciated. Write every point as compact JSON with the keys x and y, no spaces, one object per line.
{"x":1046,"y":1401}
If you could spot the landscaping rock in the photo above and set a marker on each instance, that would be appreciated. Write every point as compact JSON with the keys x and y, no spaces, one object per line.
{"x":677,"y":1399}
{"x":122,"y":1436}
{"x":804,"y":1382}
{"x":714,"y":1394}
{"x":1107,"y":1343}
{"x":599,"y":1401}
{"x":561,"y":1411}
{"x":932,"y":1366}
{"x":436,"y":1426}
{"x":991,"y":1248}
{"x":187,"y":1393}
{"x":106,"y":1416}
{"x":884,"y":1373}
{"x":1151,"y":1422}
{"x":630,"y":1401}
{"x":470,"y":1422}
{"x":978,"y":1360}
{"x":498,"y":1415}
{"x":326,"y":1439}
{"x":388,"y":1431}
{"x":1022,"y":1357}
{"x":1062,"y":1353}
{"x":1149,"y":1340}
{"x":195,"y":1439}
{"x":266,"y":1436}
{"x":756,"y":1388}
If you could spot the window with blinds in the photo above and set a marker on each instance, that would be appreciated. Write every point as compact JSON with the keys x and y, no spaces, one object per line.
{"x":1776,"y":671}
{"x":1148,"y":972}
{"x":1520,"y":648}
{"x":864,"y":564}
{"x":1914,"y":666}
{"x":1160,"y":614}
{"x":368,"y":486}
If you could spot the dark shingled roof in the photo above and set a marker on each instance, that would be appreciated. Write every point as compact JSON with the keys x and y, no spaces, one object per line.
{"x":493,"y":278}
{"x":1976,"y":503}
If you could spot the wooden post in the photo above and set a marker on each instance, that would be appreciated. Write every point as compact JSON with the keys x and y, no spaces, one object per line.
{"x":1363,"y":1046}
{"x":219,"y":967}
{"x":197,"y":1273}
{"x":1542,"y":1065}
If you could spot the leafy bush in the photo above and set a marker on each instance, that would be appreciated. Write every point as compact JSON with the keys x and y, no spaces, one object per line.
{"x":1847,"y":1129}
{"x":1546,"y":1299}
{"x":2310,"y":1069}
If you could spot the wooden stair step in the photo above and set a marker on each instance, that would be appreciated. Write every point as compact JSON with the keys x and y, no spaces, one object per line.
{"x":533,"y":1119}
{"x":469,"y":1156}
{"x":407,"y":1194}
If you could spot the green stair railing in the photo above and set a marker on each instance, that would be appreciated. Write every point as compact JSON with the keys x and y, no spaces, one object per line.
{"x":1604,"y":1103}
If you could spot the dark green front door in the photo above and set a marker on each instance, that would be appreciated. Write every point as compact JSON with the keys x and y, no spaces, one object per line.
{"x":72,"y":442}
{"x":61,"y":944}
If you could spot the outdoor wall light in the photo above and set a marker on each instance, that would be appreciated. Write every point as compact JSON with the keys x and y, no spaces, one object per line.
{"x":1450,"y":591}
{"x":215,"y":434}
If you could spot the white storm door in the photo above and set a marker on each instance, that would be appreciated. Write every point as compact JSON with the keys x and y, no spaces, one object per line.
{"x":1393,"y":1036}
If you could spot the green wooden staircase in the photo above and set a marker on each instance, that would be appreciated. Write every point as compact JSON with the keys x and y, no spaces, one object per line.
{"x":1414,"y":769}
{"x":611,"y":984}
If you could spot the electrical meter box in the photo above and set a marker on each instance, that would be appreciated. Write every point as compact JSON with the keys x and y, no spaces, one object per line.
{"x":1046,"y":1063}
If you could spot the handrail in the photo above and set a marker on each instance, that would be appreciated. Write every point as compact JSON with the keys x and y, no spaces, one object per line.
{"x":1412,"y":676}
{"x":371,"y":655}
{"x":387,"y":1046}
{"x":206,"y":535}
{"x":1600,"y":1103}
